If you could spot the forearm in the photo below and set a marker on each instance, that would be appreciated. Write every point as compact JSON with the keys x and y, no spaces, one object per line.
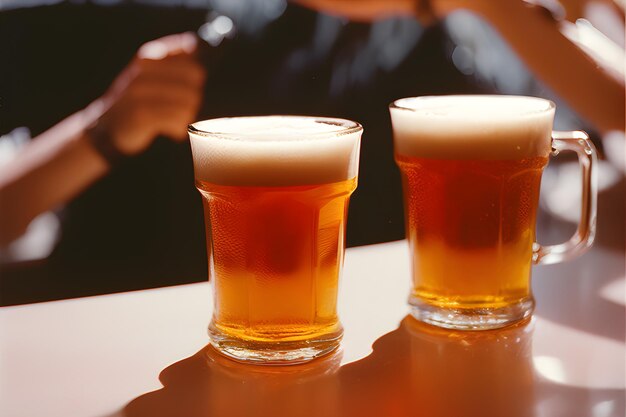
{"x":595,"y":93}
{"x":158,"y":93}
{"x":50,"y":171}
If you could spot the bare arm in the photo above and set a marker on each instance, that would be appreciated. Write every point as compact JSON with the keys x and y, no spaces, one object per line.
{"x":593,"y":91}
{"x":49,"y":171}
{"x":158,"y":93}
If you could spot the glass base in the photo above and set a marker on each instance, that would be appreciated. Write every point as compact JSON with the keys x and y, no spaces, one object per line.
{"x":273,"y":353}
{"x":471,"y":318}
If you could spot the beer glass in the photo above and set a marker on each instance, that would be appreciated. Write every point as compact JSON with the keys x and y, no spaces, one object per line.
{"x":471,"y":168}
{"x":275,"y":191}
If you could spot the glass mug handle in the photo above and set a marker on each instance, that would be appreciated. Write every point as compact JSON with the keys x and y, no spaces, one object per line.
{"x":578,"y":142}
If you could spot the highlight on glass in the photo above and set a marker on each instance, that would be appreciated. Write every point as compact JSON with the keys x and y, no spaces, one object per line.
{"x":471,"y":168}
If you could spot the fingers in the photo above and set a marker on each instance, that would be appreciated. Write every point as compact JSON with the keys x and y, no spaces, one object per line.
{"x":177,"y":120}
{"x":176,"y":90}
{"x":133,"y":124}
{"x":172,"y":119}
{"x":166,"y":102}
{"x":167,"y":114}
{"x":159,"y":93}
{"x":170,"y":58}
{"x":183,"y":69}
{"x":186,"y":107}
{"x":172,"y":45}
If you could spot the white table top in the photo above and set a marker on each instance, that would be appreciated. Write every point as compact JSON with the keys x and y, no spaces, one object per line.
{"x":99,"y":356}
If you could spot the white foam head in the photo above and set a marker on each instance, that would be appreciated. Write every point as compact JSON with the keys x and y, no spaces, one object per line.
{"x":472,"y":127}
{"x":275,"y":150}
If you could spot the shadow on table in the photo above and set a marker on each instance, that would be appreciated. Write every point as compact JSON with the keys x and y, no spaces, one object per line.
{"x":416,"y":370}
{"x":570,"y":293}
{"x":208,"y":384}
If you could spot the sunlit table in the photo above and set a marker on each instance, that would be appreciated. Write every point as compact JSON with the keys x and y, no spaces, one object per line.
{"x":143,"y":353}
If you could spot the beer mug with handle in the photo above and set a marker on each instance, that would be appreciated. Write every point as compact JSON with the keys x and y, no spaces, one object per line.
{"x":471,"y":169}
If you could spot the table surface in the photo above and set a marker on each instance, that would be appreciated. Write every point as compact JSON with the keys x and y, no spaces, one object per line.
{"x":144,"y":353}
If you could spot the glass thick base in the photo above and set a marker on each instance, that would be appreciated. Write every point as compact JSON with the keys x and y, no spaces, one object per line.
{"x":471,"y":318}
{"x":273,"y":353}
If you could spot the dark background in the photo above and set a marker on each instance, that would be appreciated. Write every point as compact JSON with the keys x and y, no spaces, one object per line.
{"x":142,"y":225}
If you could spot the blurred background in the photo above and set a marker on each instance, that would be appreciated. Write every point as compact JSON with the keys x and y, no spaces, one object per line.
{"x":141,"y":226}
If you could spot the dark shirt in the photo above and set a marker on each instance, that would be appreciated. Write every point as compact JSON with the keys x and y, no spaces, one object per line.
{"x":143,"y":225}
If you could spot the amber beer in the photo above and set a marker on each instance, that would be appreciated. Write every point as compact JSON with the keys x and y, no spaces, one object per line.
{"x":471,"y":168}
{"x":275,"y":191}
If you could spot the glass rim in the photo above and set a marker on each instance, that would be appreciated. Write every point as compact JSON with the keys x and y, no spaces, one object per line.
{"x":396,"y":103}
{"x":347,"y":127}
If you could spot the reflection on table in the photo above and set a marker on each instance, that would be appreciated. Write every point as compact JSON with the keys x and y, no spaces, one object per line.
{"x":124,"y":354}
{"x":415,"y":370}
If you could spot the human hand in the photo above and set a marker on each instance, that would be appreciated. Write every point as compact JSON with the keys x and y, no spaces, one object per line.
{"x":362,"y":10}
{"x":426,"y":11}
{"x":158,"y":93}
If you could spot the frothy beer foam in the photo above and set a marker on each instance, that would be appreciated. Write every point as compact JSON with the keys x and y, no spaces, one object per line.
{"x":275,"y":150}
{"x":472,"y":127}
